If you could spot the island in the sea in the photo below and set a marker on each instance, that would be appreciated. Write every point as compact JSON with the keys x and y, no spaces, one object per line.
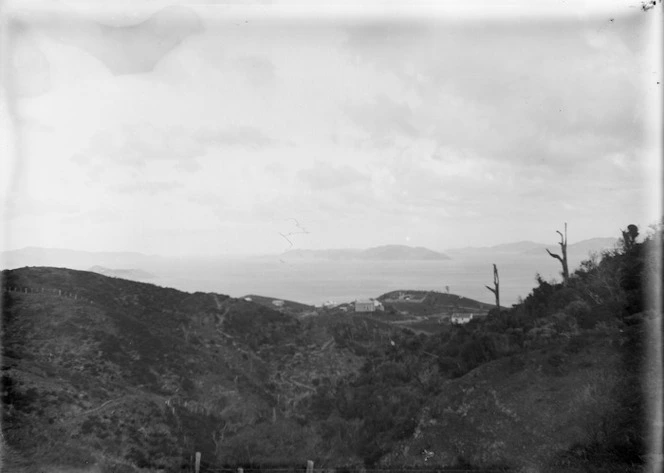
{"x":378,"y":253}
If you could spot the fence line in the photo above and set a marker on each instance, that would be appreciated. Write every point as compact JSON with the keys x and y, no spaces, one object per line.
{"x":45,"y":291}
{"x":352,"y":470}
{"x":344,"y":469}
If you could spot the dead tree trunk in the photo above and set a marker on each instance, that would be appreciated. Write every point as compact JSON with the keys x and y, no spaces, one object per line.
{"x":496,"y":288}
{"x":563,"y":259}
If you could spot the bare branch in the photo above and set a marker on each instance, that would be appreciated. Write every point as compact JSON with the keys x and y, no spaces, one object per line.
{"x":563,"y":250}
{"x":496,"y":284}
{"x":553,"y":255}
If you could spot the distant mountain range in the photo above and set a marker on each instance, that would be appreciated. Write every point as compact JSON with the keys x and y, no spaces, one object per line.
{"x":74,"y":259}
{"x":111,"y":261}
{"x":378,"y":253}
{"x":581,"y":248}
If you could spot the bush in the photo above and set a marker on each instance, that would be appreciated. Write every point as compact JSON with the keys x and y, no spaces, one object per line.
{"x":564,"y":324}
{"x":578,"y":309}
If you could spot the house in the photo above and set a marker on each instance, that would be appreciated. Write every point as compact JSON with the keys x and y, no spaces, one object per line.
{"x":365,"y":305}
{"x":461,"y":318}
{"x":278,"y":303}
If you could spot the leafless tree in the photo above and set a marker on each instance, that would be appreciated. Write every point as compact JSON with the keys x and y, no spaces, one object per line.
{"x":563,"y":259}
{"x":496,"y":286}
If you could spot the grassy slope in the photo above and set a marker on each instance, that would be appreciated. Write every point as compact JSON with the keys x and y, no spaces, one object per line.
{"x":558,"y":404}
{"x":520,"y":411}
{"x":433,"y":303}
{"x":133,"y":374}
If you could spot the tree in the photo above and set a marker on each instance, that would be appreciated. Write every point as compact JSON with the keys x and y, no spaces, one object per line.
{"x":629,"y":236}
{"x":496,"y":288}
{"x":563,"y":259}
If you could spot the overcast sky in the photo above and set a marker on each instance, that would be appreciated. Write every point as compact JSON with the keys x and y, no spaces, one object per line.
{"x":200,"y":129}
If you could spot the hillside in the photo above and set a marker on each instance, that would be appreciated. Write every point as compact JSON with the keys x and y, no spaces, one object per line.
{"x":290,"y":307}
{"x":127,"y":376}
{"x":550,"y":385}
{"x":114,"y":372}
{"x":507,"y":412}
{"x":432,"y":302}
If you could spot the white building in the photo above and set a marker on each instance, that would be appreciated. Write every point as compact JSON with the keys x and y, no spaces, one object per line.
{"x":461,"y":318}
{"x":365,"y":305}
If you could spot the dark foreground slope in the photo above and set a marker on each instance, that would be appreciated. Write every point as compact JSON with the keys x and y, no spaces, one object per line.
{"x":120,"y":374}
{"x":558,"y":383}
{"x":563,"y":382}
{"x":126,"y":376}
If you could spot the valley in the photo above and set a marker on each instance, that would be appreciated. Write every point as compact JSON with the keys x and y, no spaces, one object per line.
{"x":131,"y":376}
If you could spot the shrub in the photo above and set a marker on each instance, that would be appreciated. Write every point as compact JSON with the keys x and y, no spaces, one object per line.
{"x":564,"y":324}
{"x":577,"y":309}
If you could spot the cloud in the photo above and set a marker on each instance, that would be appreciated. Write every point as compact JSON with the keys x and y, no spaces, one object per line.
{"x":29,"y":69}
{"x":527,"y":93}
{"x":137,"y":146}
{"x":147,"y":187}
{"x":96,"y":216}
{"x":134,"y":49}
{"x":258,"y":70}
{"x":26,"y":206}
{"x":384,"y":120}
{"x":323,"y":177}
{"x":244,"y":136}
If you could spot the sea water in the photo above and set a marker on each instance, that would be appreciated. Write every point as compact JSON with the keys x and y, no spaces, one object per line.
{"x":315,"y":282}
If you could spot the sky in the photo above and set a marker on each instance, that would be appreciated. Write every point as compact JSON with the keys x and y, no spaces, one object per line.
{"x":196,"y":128}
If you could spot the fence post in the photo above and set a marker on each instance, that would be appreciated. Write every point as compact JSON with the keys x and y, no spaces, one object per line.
{"x":310,"y":466}
{"x":198,"y":462}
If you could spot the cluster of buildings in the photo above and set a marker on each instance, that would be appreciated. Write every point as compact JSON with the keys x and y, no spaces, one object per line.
{"x":461,"y":318}
{"x":368,"y":305}
{"x":360,"y":305}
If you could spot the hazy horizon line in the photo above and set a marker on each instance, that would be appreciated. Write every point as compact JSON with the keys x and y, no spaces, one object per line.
{"x":259,"y":254}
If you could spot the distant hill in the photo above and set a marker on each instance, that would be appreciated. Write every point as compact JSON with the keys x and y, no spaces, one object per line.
{"x":133,"y":274}
{"x":401,"y":252}
{"x":104,"y":374}
{"x":291,"y":307}
{"x":333,"y":255}
{"x":75,"y":259}
{"x":516,"y":247}
{"x":431,"y":302}
{"x":379,"y":253}
{"x":129,"y":375}
{"x":581,"y":248}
